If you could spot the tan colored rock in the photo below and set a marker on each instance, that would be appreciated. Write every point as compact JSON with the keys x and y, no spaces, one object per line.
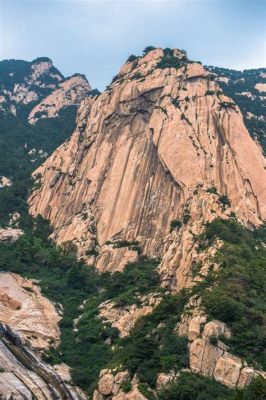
{"x":98,"y":396}
{"x":194,"y":329}
{"x":215,"y":328}
{"x":106,"y":384}
{"x":227,"y":370}
{"x":27,"y":311}
{"x":203,"y":357}
{"x":246,"y":376}
{"x":163,"y":379}
{"x":27,"y":375}
{"x":63,"y":370}
{"x":261,"y":87}
{"x":124,"y":318}
{"x":9,"y":235}
{"x":135,"y":172}
{"x":70,"y":92}
{"x":121,"y":377}
{"x":4,"y":181}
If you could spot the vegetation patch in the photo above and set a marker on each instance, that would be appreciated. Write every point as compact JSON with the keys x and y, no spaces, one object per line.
{"x":169,"y":60}
{"x":237,"y":295}
{"x":195,"y":387}
{"x":152,"y":346}
{"x":175,"y":225}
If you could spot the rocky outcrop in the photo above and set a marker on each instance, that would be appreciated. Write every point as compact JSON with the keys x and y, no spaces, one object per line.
{"x":4,"y":181}
{"x":70,"y":92}
{"x":159,"y":145}
{"x":24,"y":376}
{"x":27,"y":311}
{"x":9,"y":235}
{"x":110,"y":387}
{"x":124,"y":318}
{"x":38,"y":88}
{"x":29,"y":325}
{"x":26,"y":82}
{"x":208,"y":355}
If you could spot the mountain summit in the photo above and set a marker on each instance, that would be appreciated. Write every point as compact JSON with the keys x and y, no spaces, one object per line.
{"x":161,"y":145}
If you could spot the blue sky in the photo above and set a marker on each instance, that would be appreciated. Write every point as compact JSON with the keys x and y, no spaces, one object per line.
{"x":95,"y":37}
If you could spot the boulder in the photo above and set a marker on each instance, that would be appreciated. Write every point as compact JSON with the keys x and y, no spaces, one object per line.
{"x":106,"y":384}
{"x":227,"y":370}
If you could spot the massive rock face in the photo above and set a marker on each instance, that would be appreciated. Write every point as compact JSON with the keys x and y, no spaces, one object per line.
{"x":160,"y":144}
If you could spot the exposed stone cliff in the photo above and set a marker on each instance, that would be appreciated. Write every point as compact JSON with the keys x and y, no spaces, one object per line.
{"x":37,"y":88}
{"x":29,"y":326}
{"x":70,"y":92}
{"x":24,"y":82}
{"x":159,"y":145}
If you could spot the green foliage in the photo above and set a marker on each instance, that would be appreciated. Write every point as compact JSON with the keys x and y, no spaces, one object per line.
{"x":152,"y":346}
{"x":186,"y":216}
{"x":227,"y":104}
{"x":237,"y":289}
{"x":148,"y":49}
{"x":94,"y":93}
{"x":137,"y":76}
{"x":256,"y":390}
{"x":169,"y":60}
{"x":195,"y":387}
{"x":146,"y":391}
{"x":17,"y":137}
{"x":175,"y":224}
{"x":212,"y":190}
{"x":138,"y":278}
{"x":65,"y":280}
{"x":209,"y":93}
{"x":126,"y":386}
{"x":224,"y":200}
{"x":132,"y":58}
{"x":175,"y":102}
{"x":245,"y":81}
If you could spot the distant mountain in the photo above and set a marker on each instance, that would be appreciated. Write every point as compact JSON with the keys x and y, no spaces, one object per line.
{"x":38,"y":108}
{"x":23,"y":85}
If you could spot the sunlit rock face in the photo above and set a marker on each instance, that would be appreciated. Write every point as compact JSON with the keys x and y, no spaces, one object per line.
{"x":27,"y":311}
{"x":70,"y":92}
{"x":159,"y":145}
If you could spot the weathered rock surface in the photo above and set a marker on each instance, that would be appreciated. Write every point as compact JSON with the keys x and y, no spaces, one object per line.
{"x":39,"y":77}
{"x":9,"y":235}
{"x":144,"y":153}
{"x":40,"y":87}
{"x":27,"y":311}
{"x":4,"y":181}
{"x":109,"y":387}
{"x":70,"y":92}
{"x":24,"y":376}
{"x":124,"y":318}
